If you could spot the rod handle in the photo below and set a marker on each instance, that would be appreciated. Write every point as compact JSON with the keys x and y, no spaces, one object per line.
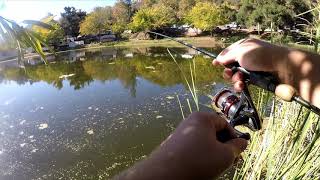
{"x":264,"y":80}
{"x":285,"y":92}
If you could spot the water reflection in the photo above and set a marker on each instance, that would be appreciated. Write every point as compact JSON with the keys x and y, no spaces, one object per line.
{"x":90,"y":114}
{"x":80,"y":68}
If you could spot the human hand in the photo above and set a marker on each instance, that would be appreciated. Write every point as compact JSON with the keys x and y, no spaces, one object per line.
{"x":191,"y":152}
{"x":195,"y":149}
{"x":253,"y":55}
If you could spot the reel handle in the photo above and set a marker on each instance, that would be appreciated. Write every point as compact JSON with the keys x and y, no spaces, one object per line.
{"x":224,"y":136}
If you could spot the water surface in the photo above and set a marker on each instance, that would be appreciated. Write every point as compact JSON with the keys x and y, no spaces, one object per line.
{"x":90,"y":114}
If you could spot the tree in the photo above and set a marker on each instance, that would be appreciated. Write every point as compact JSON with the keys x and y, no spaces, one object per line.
{"x":153,"y":18}
{"x":50,"y":36}
{"x":121,"y":15}
{"x":98,"y":21}
{"x":205,"y":16}
{"x":71,"y":19}
{"x":229,"y":12}
{"x":184,"y":7}
{"x":281,"y":13}
{"x":142,"y":4}
{"x":56,"y":35}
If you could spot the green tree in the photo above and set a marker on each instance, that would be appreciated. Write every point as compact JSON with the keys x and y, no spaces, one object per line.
{"x":281,"y":13}
{"x":156,"y":17}
{"x":229,"y":12}
{"x":71,"y":19}
{"x":205,"y":16}
{"x":98,"y":21}
{"x":56,"y":35}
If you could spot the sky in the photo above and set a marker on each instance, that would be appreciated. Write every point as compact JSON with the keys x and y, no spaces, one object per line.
{"x":19,"y":10}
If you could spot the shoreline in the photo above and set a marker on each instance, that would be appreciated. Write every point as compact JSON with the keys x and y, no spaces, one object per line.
{"x":204,"y":41}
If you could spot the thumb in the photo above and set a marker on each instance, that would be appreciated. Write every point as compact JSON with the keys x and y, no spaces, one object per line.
{"x":237,"y":145}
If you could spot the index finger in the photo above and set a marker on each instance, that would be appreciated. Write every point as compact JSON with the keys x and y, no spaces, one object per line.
{"x":221,"y":124}
{"x":225,"y":57}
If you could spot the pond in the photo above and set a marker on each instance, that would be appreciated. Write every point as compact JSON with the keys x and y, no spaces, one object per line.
{"x":89,"y":114}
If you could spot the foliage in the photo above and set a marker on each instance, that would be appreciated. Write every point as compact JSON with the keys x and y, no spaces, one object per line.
{"x":56,"y":35}
{"x":142,"y":4}
{"x":153,"y":18}
{"x":264,"y":13}
{"x":22,"y":37}
{"x":278,"y":12}
{"x":70,"y":21}
{"x":229,"y":12}
{"x":118,"y":28}
{"x":205,"y":16}
{"x":98,"y":21}
{"x":184,"y":7}
{"x":50,"y":36}
{"x":121,"y":15}
{"x":312,"y":27}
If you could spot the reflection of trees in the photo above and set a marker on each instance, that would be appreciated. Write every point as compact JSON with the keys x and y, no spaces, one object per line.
{"x":160,"y":70}
{"x":16,"y":74}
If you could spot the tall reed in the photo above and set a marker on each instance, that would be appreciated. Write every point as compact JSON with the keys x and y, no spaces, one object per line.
{"x":287,"y":147}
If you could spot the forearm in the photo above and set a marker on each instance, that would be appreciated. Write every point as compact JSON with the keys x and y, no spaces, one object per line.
{"x":302,"y":70}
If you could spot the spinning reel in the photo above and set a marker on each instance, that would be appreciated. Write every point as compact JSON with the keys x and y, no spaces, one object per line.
{"x":237,"y":110}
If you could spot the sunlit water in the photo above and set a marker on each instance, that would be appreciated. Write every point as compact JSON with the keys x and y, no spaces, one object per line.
{"x":90,"y":114}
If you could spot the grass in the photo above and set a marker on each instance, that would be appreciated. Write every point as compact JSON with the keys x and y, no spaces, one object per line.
{"x":191,"y":85}
{"x":287,"y":148}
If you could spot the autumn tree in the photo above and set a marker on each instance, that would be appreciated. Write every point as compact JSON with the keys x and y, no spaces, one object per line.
{"x":98,"y":21}
{"x":121,"y":15}
{"x":142,"y":4}
{"x":71,"y":19}
{"x":153,"y":18}
{"x":205,"y":16}
{"x":184,"y":7}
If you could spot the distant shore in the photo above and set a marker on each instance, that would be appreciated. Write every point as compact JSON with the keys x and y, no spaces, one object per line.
{"x":205,"y":41}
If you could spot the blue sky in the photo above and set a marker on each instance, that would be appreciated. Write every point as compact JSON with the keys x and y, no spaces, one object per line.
{"x":19,"y":10}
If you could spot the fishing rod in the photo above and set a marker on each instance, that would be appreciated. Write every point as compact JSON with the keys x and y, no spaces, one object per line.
{"x":241,"y":110}
{"x":264,"y":80}
{"x":186,"y":44}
